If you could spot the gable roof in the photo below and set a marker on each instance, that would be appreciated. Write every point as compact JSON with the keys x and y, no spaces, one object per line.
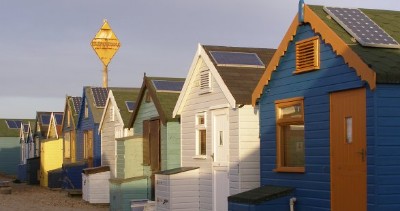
{"x":73,"y":105}
{"x":55,"y":124}
{"x":40,"y":127}
{"x":5,"y":131}
{"x":164,"y":101}
{"x":237,"y":82}
{"x":121,"y":96}
{"x":373,"y":65}
{"x":97,"y":112}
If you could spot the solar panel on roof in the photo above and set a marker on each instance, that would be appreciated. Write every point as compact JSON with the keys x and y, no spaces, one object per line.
{"x":77,"y":103}
{"x":130,"y":105}
{"x":18,"y":123}
{"x":162,"y":85}
{"x":361,"y":27}
{"x":59,"y":118}
{"x":11,"y":124}
{"x":236,"y":59}
{"x":100,"y":96}
{"x":45,"y":119}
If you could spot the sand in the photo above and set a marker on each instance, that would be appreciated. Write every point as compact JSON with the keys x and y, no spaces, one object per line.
{"x":32,"y":198}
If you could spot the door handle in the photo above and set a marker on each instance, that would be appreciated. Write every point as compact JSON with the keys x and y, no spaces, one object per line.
{"x":212,"y":156}
{"x":362,"y":153}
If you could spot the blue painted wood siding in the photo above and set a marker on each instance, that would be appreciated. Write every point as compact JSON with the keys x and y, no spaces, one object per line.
{"x":312,"y":187}
{"x":88,"y":124}
{"x":386,"y":155}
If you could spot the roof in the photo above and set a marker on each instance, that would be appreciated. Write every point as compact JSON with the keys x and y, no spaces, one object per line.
{"x":261,"y":194}
{"x":121,"y":96}
{"x":74,"y":109}
{"x":97,"y":112}
{"x":39,"y":126}
{"x":7,"y":132}
{"x":164,"y":101}
{"x":372,"y":65}
{"x":237,"y":82}
{"x":384,"y":61}
{"x":241,"y":81}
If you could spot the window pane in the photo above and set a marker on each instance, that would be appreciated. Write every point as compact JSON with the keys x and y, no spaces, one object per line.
{"x":201,"y":120}
{"x":202,"y":140}
{"x":293,"y":111}
{"x":293,"y":141}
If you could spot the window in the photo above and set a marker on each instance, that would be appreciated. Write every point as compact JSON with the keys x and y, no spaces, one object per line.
{"x":307,"y":55}
{"x":201,"y":134}
{"x":86,"y":110}
{"x":290,"y":135}
{"x":67,"y":145}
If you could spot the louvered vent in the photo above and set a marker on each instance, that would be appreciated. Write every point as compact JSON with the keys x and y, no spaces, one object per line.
{"x":205,"y":80}
{"x":307,"y":55}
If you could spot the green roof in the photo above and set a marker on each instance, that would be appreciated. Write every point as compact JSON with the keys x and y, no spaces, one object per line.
{"x":121,"y":96}
{"x":384,"y":61}
{"x":7,"y":132}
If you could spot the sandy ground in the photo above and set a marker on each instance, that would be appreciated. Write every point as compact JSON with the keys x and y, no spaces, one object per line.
{"x":28,"y":197}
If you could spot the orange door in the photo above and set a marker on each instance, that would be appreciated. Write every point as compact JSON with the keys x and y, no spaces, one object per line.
{"x":348,"y":150}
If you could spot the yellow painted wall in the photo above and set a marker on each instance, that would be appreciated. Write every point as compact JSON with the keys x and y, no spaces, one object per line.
{"x":51,"y":157}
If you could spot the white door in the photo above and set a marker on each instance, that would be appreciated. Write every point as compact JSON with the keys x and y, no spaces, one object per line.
{"x":221,"y":188}
{"x":221,"y":160}
{"x":220,"y":138}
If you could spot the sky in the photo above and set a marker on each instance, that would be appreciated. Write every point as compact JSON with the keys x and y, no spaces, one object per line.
{"x":46,"y":54}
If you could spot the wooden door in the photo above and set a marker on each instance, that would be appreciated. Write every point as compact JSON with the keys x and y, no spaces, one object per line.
{"x":72,"y":148}
{"x":348,"y":150}
{"x":155,"y":155}
{"x":88,"y":138}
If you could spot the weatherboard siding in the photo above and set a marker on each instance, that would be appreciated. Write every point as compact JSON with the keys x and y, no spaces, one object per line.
{"x":85,"y":125}
{"x":51,"y":157}
{"x":146,"y":111}
{"x":129,"y":159}
{"x":108,"y":135}
{"x":10,"y":155}
{"x":197,"y":102}
{"x":249,"y":149}
{"x":312,"y":187}
{"x":387,"y":151}
{"x":170,"y":146}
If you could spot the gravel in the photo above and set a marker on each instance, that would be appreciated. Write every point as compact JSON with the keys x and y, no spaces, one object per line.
{"x":32,"y":197}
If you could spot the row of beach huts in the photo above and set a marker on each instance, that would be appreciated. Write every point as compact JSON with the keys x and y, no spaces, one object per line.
{"x":312,"y":125}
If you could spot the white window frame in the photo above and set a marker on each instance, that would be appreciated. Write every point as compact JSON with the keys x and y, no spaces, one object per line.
{"x":198,"y":128}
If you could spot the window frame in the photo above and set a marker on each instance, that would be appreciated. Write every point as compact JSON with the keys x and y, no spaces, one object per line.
{"x":280,"y":122}
{"x":201,"y":127}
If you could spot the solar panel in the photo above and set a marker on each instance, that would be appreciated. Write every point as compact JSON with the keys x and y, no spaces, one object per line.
{"x":361,"y":27}
{"x":223,"y":58}
{"x":77,"y":103}
{"x":18,"y":123}
{"x":45,"y":119}
{"x":162,"y":85}
{"x":59,"y":118}
{"x":11,"y":124}
{"x":100,"y":96}
{"x":130,"y":105}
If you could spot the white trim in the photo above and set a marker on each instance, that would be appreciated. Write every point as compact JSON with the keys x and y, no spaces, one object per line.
{"x":189,"y":82}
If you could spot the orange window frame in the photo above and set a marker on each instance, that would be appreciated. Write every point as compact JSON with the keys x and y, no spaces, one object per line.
{"x":279,"y":133}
